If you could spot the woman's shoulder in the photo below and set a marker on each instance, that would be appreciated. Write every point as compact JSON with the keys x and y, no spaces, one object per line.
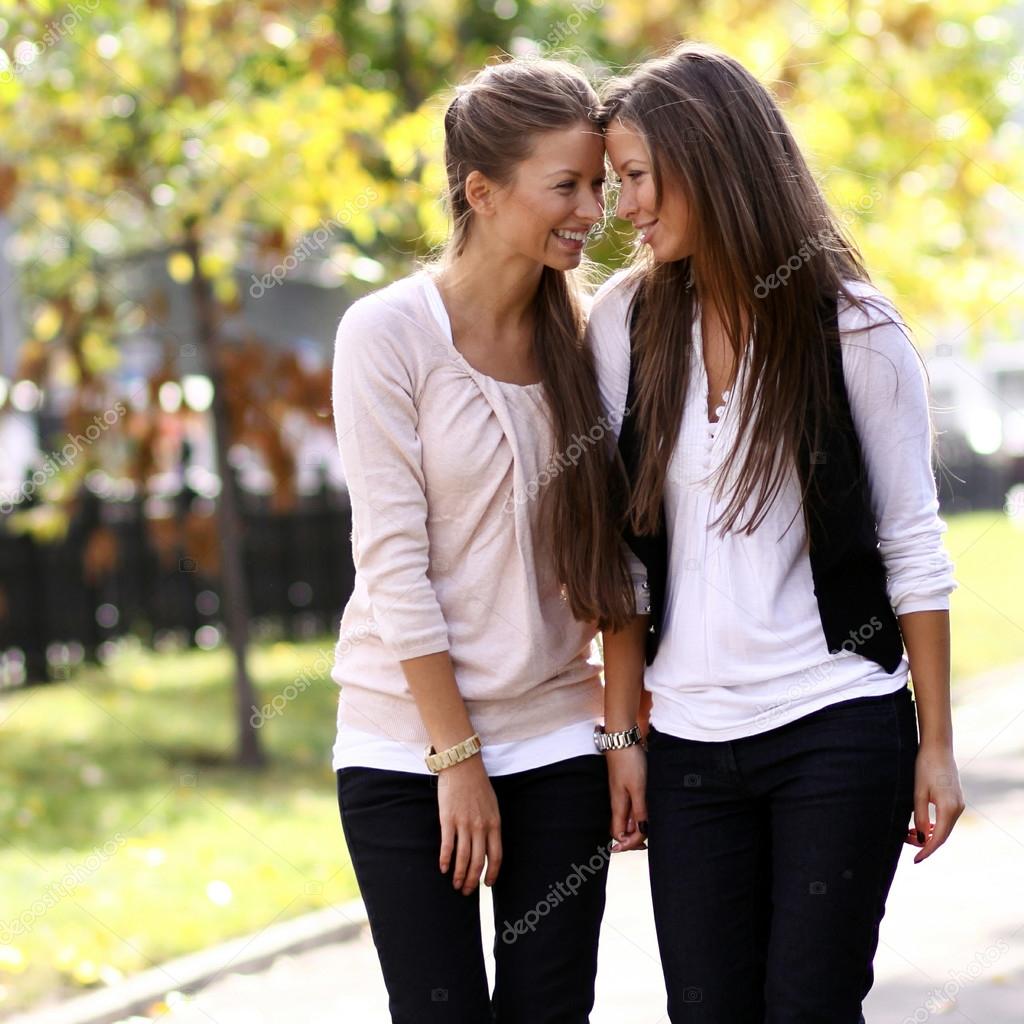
{"x":609,"y":305}
{"x":395,"y":307}
{"x":866,"y":307}
{"x":874,"y":334}
{"x":393,"y":321}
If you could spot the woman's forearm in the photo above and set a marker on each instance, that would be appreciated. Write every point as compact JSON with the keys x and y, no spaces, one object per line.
{"x":926,"y":636}
{"x":431,"y":680}
{"x":624,"y":674}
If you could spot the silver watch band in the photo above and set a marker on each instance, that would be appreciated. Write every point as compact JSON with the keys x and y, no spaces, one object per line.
{"x":616,"y":740}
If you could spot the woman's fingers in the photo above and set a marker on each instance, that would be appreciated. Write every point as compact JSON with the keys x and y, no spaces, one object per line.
{"x":478,"y":848}
{"x":916,"y":838}
{"x":620,"y":812}
{"x":922,"y":821}
{"x":493,"y":855}
{"x":639,"y":801}
{"x":947,"y":811}
{"x":625,"y":833}
{"x":463,"y":852}
{"x":447,"y":845}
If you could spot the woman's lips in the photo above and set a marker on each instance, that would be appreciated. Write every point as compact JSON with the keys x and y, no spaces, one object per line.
{"x":645,"y":231}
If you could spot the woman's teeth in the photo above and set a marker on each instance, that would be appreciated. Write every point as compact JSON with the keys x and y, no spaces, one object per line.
{"x":645,"y":231}
{"x":572,"y":236}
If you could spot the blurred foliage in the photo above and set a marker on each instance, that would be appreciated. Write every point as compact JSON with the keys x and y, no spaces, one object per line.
{"x":263,"y":121}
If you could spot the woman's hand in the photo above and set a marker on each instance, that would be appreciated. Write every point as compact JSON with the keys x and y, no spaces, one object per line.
{"x":470,"y":824}
{"x":936,"y":781}
{"x":627,"y":779}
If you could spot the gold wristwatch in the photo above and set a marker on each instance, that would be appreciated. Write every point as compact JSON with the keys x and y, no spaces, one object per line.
{"x":453,"y":755}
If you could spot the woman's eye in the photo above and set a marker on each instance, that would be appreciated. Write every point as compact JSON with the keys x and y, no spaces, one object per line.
{"x":566,"y":184}
{"x":634,"y":174}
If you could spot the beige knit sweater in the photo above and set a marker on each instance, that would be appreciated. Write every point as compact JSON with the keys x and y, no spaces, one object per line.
{"x":444,"y":467}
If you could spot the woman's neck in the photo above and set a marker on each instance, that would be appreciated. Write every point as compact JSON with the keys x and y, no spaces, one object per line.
{"x":495,"y":294}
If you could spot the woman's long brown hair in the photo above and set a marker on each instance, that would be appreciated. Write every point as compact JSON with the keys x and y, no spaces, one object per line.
{"x":713,"y":131}
{"x":490,"y":126}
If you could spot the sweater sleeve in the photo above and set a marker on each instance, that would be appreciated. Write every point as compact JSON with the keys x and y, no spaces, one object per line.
{"x":889,"y":402}
{"x":375,"y":419}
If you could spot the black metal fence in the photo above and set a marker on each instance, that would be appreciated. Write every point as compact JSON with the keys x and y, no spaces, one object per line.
{"x":298,"y":565}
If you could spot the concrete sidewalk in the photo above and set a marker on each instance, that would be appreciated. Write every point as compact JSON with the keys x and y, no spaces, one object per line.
{"x":952,"y":942}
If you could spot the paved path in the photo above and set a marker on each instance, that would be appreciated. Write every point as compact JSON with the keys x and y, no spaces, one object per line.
{"x":952,"y":941}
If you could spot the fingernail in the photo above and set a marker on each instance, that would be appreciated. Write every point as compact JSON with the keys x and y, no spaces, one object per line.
{"x":642,"y":825}
{"x":920,"y":836}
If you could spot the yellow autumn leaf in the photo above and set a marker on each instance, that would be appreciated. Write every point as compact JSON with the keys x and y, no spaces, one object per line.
{"x":46,"y":323}
{"x":179,"y":266}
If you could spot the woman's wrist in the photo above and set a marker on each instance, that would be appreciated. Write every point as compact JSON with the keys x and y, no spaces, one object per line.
{"x":621,"y":722}
{"x":939,"y":739}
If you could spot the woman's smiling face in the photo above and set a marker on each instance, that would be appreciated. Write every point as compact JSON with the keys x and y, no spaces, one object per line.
{"x":666,"y":229}
{"x":553,"y":201}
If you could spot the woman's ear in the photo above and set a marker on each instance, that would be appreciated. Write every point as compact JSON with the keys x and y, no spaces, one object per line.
{"x":479,"y":193}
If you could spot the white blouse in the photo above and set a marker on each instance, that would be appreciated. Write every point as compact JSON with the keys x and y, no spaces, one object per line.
{"x":742,"y":648}
{"x":354,"y":747}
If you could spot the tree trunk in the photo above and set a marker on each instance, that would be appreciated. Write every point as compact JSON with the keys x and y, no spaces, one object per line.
{"x":234,"y":589}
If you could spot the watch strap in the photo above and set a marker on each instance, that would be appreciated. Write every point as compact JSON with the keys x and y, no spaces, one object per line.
{"x":616,"y":740}
{"x":439,"y":760}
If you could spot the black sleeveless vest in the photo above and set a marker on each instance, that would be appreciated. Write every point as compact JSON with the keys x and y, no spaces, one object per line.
{"x":846,"y":566}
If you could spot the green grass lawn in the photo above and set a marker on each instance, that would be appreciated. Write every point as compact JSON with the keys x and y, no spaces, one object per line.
{"x":129,"y":838}
{"x":987,"y":609}
{"x":130,"y":765}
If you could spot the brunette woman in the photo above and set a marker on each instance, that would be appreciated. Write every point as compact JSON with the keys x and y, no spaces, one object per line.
{"x":478,"y":577}
{"x":778,"y":447}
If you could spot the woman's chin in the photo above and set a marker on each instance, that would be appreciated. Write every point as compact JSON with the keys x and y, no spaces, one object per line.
{"x":564,"y":261}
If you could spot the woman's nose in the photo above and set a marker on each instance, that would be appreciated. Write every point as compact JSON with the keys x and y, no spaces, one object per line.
{"x":624,"y":206}
{"x":592,"y":208}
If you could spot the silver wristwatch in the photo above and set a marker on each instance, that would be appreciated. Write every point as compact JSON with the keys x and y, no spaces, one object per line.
{"x":615,"y":740}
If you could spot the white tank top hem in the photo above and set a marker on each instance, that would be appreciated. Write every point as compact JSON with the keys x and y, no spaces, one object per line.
{"x":357,"y":749}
